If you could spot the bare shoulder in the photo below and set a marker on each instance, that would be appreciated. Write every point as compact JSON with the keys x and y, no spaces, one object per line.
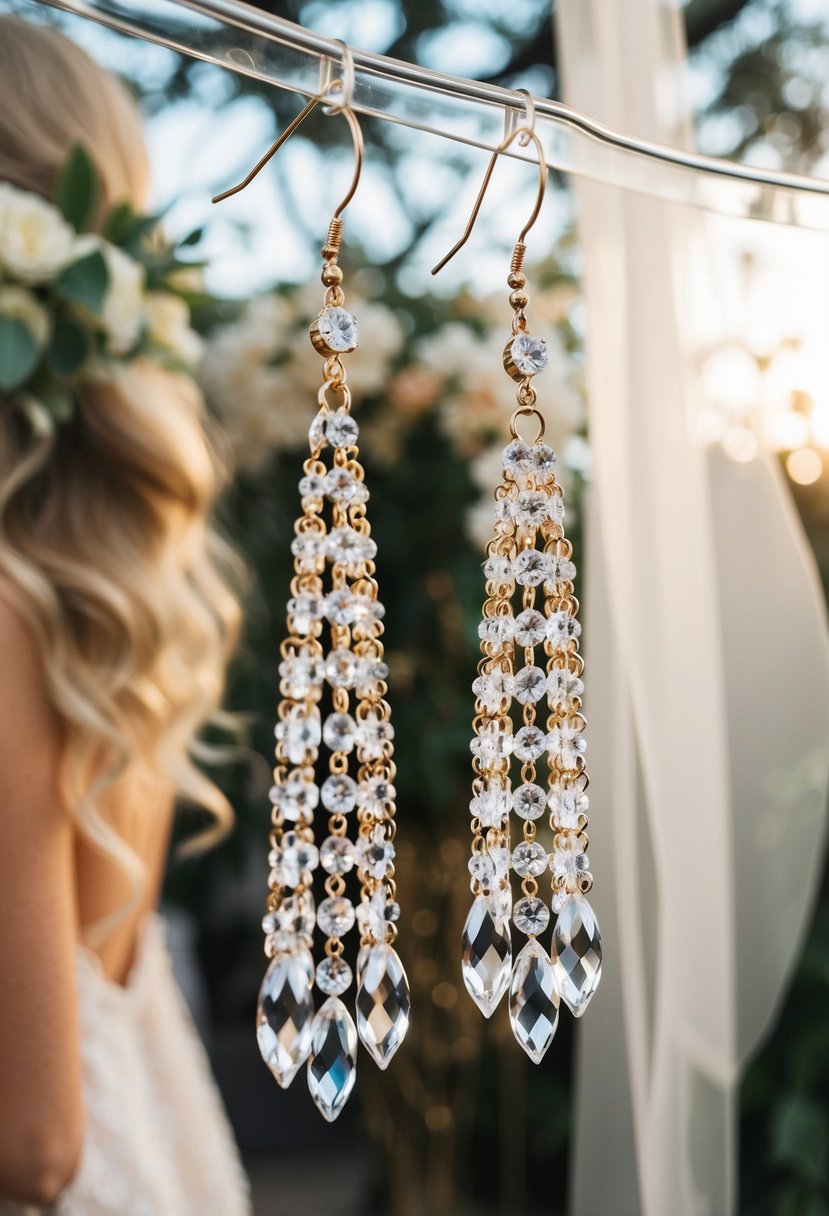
{"x":24,"y":696}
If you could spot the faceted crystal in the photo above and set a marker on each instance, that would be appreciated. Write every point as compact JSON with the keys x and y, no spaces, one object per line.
{"x":561,"y":570}
{"x":296,"y":797}
{"x":376,"y":853}
{"x":493,"y":689}
{"x":331,"y":1067}
{"x":562,"y":629}
{"x":517,"y":457}
{"x":309,"y":551}
{"x":338,"y":329}
{"x":529,"y":685}
{"x":496,"y":631}
{"x":577,"y":954}
{"x":529,"y":859}
{"x":291,"y":859}
{"x":285,"y":1013}
{"x":529,"y":744}
{"x":376,"y":795}
{"x":499,"y":902}
{"x":304,"y":612}
{"x":337,"y":855}
{"x":492,"y":804}
{"x":376,"y":915}
{"x":367,"y":611}
{"x":529,"y":354}
{"x":567,"y":741}
{"x":333,"y":976}
{"x":486,"y":956}
{"x":340,"y":485}
{"x":383,"y":1002}
{"x":373,"y":732}
{"x":493,"y":743}
{"x":531,"y":508}
{"x":339,"y":793}
{"x":544,"y":463}
{"x":529,"y":801}
{"x":530,"y":627}
{"x":341,"y":430}
{"x":341,"y":668}
{"x":531,"y":915}
{"x":312,"y":486}
{"x":498,"y":569}
{"x":350,"y":548}
{"x":339,"y":732}
{"x":297,"y":915}
{"x":563,"y":687}
{"x":530,"y":567}
{"x":533,"y":1000}
{"x":569,"y":860}
{"x":335,"y":916}
{"x":482,"y":869}
{"x":302,"y":677}
{"x":566,"y":802}
{"x":299,"y":734}
{"x":339,"y":607}
{"x":316,"y":431}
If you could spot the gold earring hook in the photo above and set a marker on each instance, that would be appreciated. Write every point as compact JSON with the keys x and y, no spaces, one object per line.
{"x":525,"y":135}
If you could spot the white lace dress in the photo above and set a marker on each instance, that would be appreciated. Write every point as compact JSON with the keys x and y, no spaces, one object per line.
{"x":157,"y":1138}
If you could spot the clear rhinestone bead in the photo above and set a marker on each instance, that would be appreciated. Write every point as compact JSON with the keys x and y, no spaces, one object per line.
{"x":297,"y":915}
{"x":496,"y":631}
{"x":367,"y":611}
{"x":529,"y":859}
{"x":531,"y":915}
{"x":309,"y":551}
{"x":529,"y":801}
{"x":285,"y":1013}
{"x":486,"y":956}
{"x":331,"y":1067}
{"x":566,"y":802}
{"x":316,"y":432}
{"x":562,"y":629}
{"x":340,"y":485}
{"x":493,"y":803}
{"x":498,"y":569}
{"x":293,"y":858}
{"x":482,"y":869}
{"x":577,"y":954}
{"x":376,"y":915}
{"x":569,"y":860}
{"x":530,"y":627}
{"x":341,"y":668}
{"x":531,"y":508}
{"x":530,"y":568}
{"x":333,"y":976}
{"x":517,"y":458}
{"x":493,"y":689}
{"x":567,"y":741}
{"x":376,"y":795}
{"x":304,"y":613}
{"x":529,"y":685}
{"x":337,"y":855}
{"x":312,"y":486}
{"x":341,"y":430}
{"x":561,"y":570}
{"x":339,"y":733}
{"x":335,"y":916}
{"x":563,"y":687}
{"x":299,"y":734}
{"x":383,"y":1002}
{"x":533,"y":1000}
{"x":529,"y":354}
{"x":493,"y":744}
{"x":339,"y":793}
{"x":350,"y":548}
{"x":499,"y":902}
{"x":338,"y":329}
{"x":339,"y":607}
{"x":373,"y":733}
{"x":529,"y":744}
{"x":544,"y":464}
{"x":301,"y":677}
{"x":376,"y":854}
{"x":296,"y":797}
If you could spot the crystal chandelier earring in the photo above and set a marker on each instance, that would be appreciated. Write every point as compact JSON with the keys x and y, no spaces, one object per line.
{"x":530,"y":667}
{"x":334,"y":596}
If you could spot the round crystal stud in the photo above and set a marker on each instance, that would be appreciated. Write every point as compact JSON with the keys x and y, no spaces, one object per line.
{"x":530,"y":627}
{"x":335,"y":916}
{"x":529,"y":744}
{"x":531,"y":915}
{"x":338,"y":329}
{"x":529,"y":354}
{"x":341,"y":430}
{"x":562,"y":629}
{"x":496,"y":631}
{"x":341,"y":668}
{"x":340,"y":485}
{"x":333,"y":976}
{"x":498,"y":569}
{"x":337,"y":855}
{"x":339,"y":793}
{"x":544,"y":464}
{"x":312,"y":486}
{"x":339,"y":607}
{"x":518,"y":458}
{"x":339,"y":732}
{"x":531,"y":508}
{"x":529,"y":859}
{"x":530,"y":568}
{"x":350,"y":548}
{"x":529,"y":801}
{"x":530,"y":685}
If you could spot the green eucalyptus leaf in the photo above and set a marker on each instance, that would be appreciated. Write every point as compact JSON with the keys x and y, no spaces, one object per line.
{"x":70,"y":346}
{"x":119,"y":223}
{"x":19,"y":353}
{"x":85,"y":282}
{"x":78,"y":189}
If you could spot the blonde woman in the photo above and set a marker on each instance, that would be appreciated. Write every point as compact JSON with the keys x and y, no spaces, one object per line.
{"x":116,"y":622}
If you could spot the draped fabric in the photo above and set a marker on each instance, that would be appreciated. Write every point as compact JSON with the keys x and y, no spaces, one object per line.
{"x":707,"y":681}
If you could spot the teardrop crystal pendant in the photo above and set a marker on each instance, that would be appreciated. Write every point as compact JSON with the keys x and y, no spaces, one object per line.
{"x":383,"y":1002}
{"x":577,"y":954}
{"x":331,"y":1066}
{"x":533,"y":1000}
{"x":285,"y":1014}
{"x":486,"y":956}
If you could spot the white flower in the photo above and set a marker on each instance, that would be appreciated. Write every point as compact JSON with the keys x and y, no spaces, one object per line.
{"x":168,"y":324}
{"x":21,"y":305}
{"x":123,"y":312}
{"x":35,"y":240}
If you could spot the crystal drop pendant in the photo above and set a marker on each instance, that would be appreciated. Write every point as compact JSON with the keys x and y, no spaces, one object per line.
{"x":285,"y":1014}
{"x":533,"y":1001}
{"x":486,"y":956}
{"x":383,"y":1002}
{"x":331,"y":1067}
{"x":577,"y":954}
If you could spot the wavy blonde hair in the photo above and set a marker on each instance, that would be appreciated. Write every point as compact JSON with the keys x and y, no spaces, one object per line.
{"x":106,"y":541}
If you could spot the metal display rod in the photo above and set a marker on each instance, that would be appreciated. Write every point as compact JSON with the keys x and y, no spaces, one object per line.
{"x":243,"y":39}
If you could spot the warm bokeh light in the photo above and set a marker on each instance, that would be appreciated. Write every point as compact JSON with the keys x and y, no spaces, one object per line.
{"x":804,"y":466}
{"x":741,"y":444}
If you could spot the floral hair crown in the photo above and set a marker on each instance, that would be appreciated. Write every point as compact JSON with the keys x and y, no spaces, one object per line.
{"x":73,"y":303}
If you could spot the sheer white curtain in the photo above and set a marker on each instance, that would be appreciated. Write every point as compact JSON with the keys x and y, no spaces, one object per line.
{"x":708,"y":682}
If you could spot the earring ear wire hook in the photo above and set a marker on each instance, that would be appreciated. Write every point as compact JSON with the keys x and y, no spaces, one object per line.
{"x":344,"y":86}
{"x":525,"y":134}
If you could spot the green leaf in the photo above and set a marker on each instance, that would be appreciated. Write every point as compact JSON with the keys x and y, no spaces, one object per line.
{"x":19,"y":353}
{"x":85,"y":282}
{"x":77,"y":189}
{"x":800,"y":1138}
{"x":193,"y":237}
{"x":119,"y":223}
{"x":69,"y":348}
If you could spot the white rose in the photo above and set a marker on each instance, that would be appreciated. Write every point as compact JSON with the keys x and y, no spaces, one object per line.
{"x":123,"y":314}
{"x":21,"y":305}
{"x":35,"y":240}
{"x":168,"y":322}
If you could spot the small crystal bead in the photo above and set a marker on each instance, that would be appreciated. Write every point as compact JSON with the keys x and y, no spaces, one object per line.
{"x":544,"y":462}
{"x":561,"y":570}
{"x":302,"y":677}
{"x":566,"y":802}
{"x":316,"y":431}
{"x":339,"y":793}
{"x":338,"y":329}
{"x":499,"y":902}
{"x":529,"y":859}
{"x":296,"y":914}
{"x":529,"y":354}
{"x":333,"y":976}
{"x":296,"y":797}
{"x":562,"y":629}
{"x":309,"y":551}
{"x":530,"y":627}
{"x":533,"y":1000}
{"x":312,"y":486}
{"x":529,"y":685}
{"x":339,"y":733}
{"x":493,"y":803}
{"x":376,"y":916}
{"x":531,"y":915}
{"x":373,"y":733}
{"x":569,"y":860}
{"x":530,"y":568}
{"x":563,"y":687}
{"x":531,"y":508}
{"x":376,"y":854}
{"x":493,"y":743}
{"x":496,"y":631}
{"x":376,"y":795}
{"x":340,"y":485}
{"x":518,"y":458}
{"x":304,"y":613}
{"x":341,"y":430}
{"x":292,"y":860}
{"x":341,"y":668}
{"x":335,"y":916}
{"x":568,"y":743}
{"x":498,"y":569}
{"x":482,"y":870}
{"x":350,"y":548}
{"x":529,"y":801}
{"x":337,"y":855}
{"x":299,"y":734}
{"x":339,"y":607}
{"x":493,"y":689}
{"x":529,"y":744}
{"x":369,"y":674}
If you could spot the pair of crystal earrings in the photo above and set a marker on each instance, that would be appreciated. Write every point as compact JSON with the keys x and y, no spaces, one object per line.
{"x":334,"y":592}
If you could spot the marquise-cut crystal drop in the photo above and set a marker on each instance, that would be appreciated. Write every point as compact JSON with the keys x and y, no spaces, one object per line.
{"x":577,"y":953}
{"x":285,"y":1014}
{"x":486,"y":956}
{"x":383,"y":1002}
{"x":331,"y":1066}
{"x":533,"y":1001}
